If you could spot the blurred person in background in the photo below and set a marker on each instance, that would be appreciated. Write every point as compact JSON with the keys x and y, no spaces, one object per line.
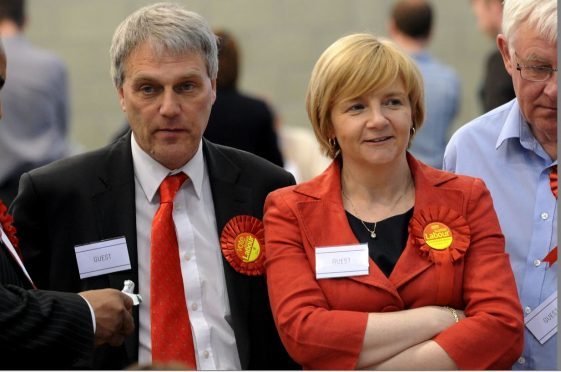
{"x":301,"y":152}
{"x":514,"y":150}
{"x":238,"y":120}
{"x":411,"y":27}
{"x":496,"y":88}
{"x":34,"y":128}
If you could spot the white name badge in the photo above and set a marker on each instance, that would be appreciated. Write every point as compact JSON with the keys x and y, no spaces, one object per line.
{"x":103,"y":257}
{"x":542,"y":322}
{"x":341,"y":261}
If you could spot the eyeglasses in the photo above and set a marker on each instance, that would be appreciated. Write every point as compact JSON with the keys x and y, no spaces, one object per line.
{"x":535,"y":73}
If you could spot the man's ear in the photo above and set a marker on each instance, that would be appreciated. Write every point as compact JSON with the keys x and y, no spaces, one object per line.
{"x":213,"y":85}
{"x":502,"y":44}
{"x":121,"y":98}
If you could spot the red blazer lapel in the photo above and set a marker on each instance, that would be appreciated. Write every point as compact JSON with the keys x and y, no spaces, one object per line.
{"x":428,"y":193}
{"x":325,"y":224}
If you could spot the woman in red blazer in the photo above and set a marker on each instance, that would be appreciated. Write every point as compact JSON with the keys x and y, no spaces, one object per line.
{"x":381,"y":261}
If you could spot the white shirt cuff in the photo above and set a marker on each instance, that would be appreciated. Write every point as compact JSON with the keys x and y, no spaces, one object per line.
{"x":91,"y":311}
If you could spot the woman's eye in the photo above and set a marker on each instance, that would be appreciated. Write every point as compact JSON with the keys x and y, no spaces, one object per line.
{"x":393,"y":102}
{"x":355,"y":107}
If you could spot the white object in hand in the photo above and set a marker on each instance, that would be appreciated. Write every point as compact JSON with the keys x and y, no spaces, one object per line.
{"x":128,"y":289}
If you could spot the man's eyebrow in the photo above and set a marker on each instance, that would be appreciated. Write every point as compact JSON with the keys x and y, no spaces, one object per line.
{"x":535,"y":58}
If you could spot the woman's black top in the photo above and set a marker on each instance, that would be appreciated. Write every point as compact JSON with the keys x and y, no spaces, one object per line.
{"x":390,"y":241}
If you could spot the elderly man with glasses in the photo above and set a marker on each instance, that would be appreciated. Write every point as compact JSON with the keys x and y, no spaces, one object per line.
{"x":513,"y":148}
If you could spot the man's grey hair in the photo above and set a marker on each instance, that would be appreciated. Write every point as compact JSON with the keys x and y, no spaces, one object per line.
{"x":167,"y":27}
{"x":540,"y":15}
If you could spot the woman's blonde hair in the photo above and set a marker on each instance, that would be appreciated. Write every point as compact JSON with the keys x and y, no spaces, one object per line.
{"x":351,"y":67}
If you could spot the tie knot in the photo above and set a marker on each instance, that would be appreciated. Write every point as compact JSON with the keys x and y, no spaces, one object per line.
{"x":169,"y":187}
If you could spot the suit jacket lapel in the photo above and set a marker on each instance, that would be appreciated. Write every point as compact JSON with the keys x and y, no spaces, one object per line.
{"x":114,"y":203}
{"x":231,"y":199}
{"x":10,"y":270}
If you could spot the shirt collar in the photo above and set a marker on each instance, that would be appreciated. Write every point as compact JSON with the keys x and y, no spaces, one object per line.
{"x":150,"y":173}
{"x":512,"y":127}
{"x":516,"y":127}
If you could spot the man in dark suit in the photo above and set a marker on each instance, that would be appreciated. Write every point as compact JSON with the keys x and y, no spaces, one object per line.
{"x":164,"y":66}
{"x":47,"y":329}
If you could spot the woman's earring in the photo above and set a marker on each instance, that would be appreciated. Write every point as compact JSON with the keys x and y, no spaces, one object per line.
{"x":333,"y":143}
{"x":413,"y":130}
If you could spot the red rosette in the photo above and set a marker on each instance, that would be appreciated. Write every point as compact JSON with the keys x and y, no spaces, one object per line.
{"x":6,"y":220}
{"x":442,"y":236}
{"x":243,"y":245}
{"x":450,"y":218}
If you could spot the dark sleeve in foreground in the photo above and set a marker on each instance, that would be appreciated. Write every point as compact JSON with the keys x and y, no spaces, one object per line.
{"x":44,"y":329}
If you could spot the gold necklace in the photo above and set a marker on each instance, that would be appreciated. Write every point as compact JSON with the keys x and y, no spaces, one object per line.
{"x":373,"y":231}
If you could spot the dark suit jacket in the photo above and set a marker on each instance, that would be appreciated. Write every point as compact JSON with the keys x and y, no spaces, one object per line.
{"x":40,"y":329}
{"x":322,"y":322}
{"x":245,"y":123}
{"x":91,"y":197}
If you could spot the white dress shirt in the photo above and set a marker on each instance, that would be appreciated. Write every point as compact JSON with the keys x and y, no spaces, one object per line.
{"x":200,"y":259}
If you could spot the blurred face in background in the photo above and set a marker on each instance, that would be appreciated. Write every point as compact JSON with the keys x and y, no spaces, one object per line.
{"x":537,"y":99}
{"x":167,"y":98}
{"x":489,"y":14}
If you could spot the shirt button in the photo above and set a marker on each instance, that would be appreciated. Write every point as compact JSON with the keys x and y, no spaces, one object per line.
{"x":194,"y":306}
{"x":521,"y":360}
{"x":187,"y":257}
{"x":545,"y":216}
{"x":206,"y":354}
{"x":527,"y":310}
{"x":537,"y":263}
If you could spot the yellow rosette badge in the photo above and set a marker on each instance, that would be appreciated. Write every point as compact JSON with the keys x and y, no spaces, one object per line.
{"x":247,"y":247}
{"x":438,"y":236}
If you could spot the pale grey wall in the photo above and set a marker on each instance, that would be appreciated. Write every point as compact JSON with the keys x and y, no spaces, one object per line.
{"x":280,"y":40}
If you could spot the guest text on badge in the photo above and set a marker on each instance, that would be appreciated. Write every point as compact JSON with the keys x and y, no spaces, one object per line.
{"x":341,"y":261}
{"x":103,"y":257}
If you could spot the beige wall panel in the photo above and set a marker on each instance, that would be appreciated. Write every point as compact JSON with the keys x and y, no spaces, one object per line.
{"x":280,"y":42}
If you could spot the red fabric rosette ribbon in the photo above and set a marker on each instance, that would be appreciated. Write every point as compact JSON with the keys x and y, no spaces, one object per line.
{"x":442,"y":236}
{"x":7,"y":220}
{"x":243,"y":245}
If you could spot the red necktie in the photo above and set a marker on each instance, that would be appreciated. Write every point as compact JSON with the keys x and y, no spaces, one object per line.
{"x":172,"y":340}
{"x":551,"y":257}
